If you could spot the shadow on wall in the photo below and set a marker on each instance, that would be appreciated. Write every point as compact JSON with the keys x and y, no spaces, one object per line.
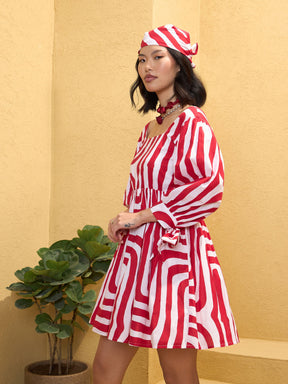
{"x":20,"y":344}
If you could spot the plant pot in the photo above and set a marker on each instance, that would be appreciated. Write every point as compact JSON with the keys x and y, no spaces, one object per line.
{"x":37,"y":373}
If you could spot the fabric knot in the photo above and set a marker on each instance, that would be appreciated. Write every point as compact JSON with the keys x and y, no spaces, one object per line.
{"x":170,"y":237}
{"x":161,"y":110}
{"x":194,"y":49}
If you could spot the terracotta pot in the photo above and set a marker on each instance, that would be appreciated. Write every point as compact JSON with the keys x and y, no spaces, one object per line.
{"x":37,"y":373}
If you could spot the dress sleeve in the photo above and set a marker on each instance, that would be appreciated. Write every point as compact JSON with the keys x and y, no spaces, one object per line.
{"x":198,"y":179}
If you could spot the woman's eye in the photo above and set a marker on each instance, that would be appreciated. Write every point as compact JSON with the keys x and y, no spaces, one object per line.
{"x":158,"y":57}
{"x":141,"y":60}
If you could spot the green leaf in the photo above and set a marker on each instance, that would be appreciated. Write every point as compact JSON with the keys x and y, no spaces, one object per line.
{"x":105,"y":257}
{"x":97,"y":275}
{"x":55,"y":296}
{"x":66,"y":245}
{"x":89,"y":296}
{"x":82,"y":265}
{"x":29,"y":276}
{"x":67,"y":277}
{"x":105,"y":240}
{"x":37,"y":285}
{"x":112,"y":250}
{"x":86,"y":308}
{"x":72,"y":257}
{"x":43,"y":303}
{"x":51,"y":255}
{"x":58,"y":316}
{"x":91,"y":232}
{"x":101,"y":266}
{"x":71,"y":302}
{"x":78,"y":243}
{"x":45,"y":293}
{"x":43,"y":318}
{"x":38,"y":330}
{"x":39,"y":271}
{"x":95,"y":249}
{"x":65,"y":331}
{"x":84,"y":317}
{"x":77,"y":325}
{"x":88,"y":281}
{"x":48,"y":327}
{"x":42,"y":252}
{"x":24,"y":303}
{"x":68,"y":308}
{"x":21,"y":272}
{"x":74,"y":291}
{"x":29,"y":294}
{"x":60,"y":304}
{"x":59,"y":266}
{"x":18,"y":287}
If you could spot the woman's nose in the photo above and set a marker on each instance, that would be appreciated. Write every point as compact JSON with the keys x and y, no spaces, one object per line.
{"x":148,"y":66}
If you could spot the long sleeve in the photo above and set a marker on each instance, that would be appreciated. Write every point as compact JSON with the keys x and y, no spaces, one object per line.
{"x":198,"y":180}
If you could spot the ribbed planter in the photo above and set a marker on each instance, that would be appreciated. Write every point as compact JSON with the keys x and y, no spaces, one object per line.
{"x":37,"y":373}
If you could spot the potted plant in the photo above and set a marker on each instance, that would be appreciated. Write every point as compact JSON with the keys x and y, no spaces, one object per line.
{"x":57,"y":287}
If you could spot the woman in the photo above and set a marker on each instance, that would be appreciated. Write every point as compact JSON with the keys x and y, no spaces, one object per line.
{"x":165,"y":288}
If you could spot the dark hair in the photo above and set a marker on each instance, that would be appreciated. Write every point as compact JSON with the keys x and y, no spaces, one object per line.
{"x":188,"y":88}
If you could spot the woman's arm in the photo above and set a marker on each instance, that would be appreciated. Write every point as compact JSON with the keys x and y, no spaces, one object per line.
{"x":119,"y":225}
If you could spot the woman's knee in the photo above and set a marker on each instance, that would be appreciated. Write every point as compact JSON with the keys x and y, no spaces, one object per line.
{"x":179,"y":366}
{"x":100,"y":371}
{"x":111,"y":361}
{"x":177,"y":377}
{"x":105,"y":372}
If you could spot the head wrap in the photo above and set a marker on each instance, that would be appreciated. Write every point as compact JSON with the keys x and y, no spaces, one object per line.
{"x":170,"y":36}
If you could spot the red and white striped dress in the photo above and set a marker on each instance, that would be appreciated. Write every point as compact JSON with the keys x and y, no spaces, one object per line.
{"x":156,"y":293}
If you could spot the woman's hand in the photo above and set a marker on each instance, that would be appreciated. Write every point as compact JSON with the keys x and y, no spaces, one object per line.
{"x":120,"y":225}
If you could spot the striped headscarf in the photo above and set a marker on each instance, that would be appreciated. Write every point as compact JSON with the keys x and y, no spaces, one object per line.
{"x":170,"y":36}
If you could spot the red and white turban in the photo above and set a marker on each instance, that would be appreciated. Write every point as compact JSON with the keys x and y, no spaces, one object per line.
{"x":170,"y":36}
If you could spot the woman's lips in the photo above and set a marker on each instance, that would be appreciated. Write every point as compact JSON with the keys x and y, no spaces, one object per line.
{"x":149,"y":78}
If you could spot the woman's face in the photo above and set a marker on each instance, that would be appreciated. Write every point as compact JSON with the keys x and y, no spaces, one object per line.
{"x":157,"y":69}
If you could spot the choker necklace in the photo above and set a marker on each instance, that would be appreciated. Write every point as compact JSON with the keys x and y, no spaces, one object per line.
{"x":172,"y":106}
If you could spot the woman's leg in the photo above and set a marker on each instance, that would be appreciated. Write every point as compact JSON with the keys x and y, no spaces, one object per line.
{"x":179,"y":365}
{"x":111,"y":361}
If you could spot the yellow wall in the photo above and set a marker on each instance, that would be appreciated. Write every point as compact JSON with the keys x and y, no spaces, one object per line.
{"x":182,"y":13}
{"x":244,"y":64}
{"x":95,"y":130}
{"x":242,"y":61}
{"x":26,"y":36}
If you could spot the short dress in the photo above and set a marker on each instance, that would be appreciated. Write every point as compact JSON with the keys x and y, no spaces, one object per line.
{"x":164,"y":287}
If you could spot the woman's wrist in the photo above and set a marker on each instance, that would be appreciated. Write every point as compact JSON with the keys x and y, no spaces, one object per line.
{"x":145,"y":216}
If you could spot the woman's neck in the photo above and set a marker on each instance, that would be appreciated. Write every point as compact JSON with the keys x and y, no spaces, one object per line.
{"x":164,"y":99}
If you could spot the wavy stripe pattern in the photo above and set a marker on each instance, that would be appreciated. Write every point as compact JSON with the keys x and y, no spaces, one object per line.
{"x":170,"y":296}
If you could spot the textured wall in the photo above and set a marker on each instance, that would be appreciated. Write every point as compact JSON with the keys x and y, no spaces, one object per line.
{"x":244,"y":65}
{"x":95,"y":129}
{"x":182,"y":13}
{"x":26,"y":38}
